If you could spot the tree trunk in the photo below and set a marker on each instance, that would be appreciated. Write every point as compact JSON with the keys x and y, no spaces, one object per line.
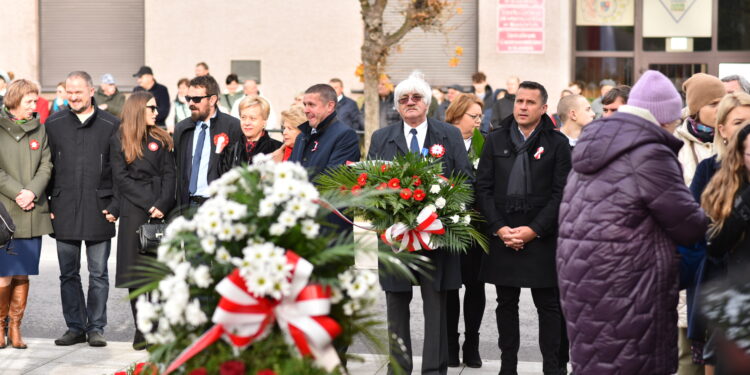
{"x":372,"y":102}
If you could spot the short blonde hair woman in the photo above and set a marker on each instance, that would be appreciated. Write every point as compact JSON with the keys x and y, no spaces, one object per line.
{"x":290,"y":120}
{"x":254,"y":112}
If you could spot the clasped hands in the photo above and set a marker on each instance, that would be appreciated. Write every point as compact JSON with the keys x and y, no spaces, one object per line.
{"x":25,"y":199}
{"x":516,"y":238}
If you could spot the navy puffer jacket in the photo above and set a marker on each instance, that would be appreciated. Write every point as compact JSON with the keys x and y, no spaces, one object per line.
{"x":624,"y":210}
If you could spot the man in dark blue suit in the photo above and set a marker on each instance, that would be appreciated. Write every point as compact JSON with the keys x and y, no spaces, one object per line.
{"x":347,"y":109}
{"x":324,"y":142}
{"x":416,"y":132}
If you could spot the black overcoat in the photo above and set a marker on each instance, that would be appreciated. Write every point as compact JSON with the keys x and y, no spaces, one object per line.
{"x":183,"y":150}
{"x":264,"y":145}
{"x":81,"y":185}
{"x":389,"y":142}
{"x":534,"y":265}
{"x":146,"y":182}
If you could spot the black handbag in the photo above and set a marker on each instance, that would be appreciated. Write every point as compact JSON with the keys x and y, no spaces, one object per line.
{"x":7,"y":229}
{"x":150,"y":235}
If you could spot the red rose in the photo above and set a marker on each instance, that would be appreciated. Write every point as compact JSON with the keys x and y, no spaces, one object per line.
{"x":394,"y":183}
{"x":417,"y":181}
{"x":406,"y":193}
{"x":419,"y":195}
{"x":383,"y":167}
{"x":199,"y":371}
{"x":381,"y":186}
{"x":362,"y":180}
{"x":356,"y":189}
{"x":266,"y":372}
{"x":232,"y":368}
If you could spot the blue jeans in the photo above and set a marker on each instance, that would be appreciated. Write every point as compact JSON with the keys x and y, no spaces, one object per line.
{"x":79,"y":316}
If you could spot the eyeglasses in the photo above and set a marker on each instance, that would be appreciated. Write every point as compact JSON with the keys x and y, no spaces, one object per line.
{"x":153,"y":108}
{"x":416,"y":98}
{"x":477,"y":117}
{"x":196,"y":99}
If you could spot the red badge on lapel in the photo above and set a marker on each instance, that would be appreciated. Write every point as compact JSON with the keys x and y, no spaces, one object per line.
{"x":153,"y":146}
{"x":221,"y":140}
{"x":34,"y":144}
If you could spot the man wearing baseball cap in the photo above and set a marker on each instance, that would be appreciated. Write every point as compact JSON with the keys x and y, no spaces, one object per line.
{"x":108,"y":97}
{"x":146,"y":81}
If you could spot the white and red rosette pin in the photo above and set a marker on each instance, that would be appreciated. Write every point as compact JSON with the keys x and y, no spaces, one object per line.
{"x":538,"y":153}
{"x":437,"y":150}
{"x":221,"y":140}
{"x":34,"y":144}
{"x":153,"y":146}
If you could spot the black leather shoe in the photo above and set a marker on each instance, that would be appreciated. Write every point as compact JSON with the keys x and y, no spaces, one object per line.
{"x":96,"y":339}
{"x":71,"y":338}
{"x":471,"y":351}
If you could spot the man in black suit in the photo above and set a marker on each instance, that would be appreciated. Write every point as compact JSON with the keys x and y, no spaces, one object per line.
{"x":197,"y":153}
{"x":520,"y":180}
{"x":416,"y":132}
{"x":146,"y":82}
{"x":346,"y":108}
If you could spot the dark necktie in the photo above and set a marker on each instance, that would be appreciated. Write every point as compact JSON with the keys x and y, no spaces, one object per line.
{"x":197,"y":160}
{"x":414,"y":145}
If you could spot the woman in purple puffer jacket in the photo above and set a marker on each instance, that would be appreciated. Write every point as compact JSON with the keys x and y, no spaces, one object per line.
{"x":624,"y":209}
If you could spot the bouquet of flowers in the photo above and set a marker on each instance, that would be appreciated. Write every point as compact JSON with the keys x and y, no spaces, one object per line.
{"x":251,"y":281}
{"x":424,"y":210}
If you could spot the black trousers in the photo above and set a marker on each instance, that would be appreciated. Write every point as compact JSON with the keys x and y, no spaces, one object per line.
{"x":547,"y":304}
{"x":435,"y":347}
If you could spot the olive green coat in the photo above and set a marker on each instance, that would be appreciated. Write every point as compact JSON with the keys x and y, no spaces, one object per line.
{"x":25,"y":163}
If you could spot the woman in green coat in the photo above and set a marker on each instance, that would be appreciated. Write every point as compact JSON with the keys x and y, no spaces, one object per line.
{"x":25,"y":170}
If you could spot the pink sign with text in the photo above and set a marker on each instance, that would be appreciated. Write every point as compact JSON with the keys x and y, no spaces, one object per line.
{"x":520,"y":26}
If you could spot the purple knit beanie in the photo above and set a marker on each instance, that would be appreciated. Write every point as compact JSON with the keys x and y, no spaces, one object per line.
{"x":656,"y":93}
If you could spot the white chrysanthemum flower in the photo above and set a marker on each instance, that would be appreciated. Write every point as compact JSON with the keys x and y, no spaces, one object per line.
{"x":476,"y":164}
{"x":283,"y":171}
{"x":259,"y":283}
{"x":194,"y":315}
{"x":239,"y":231}
{"x":467,"y":219}
{"x":440,"y":202}
{"x":276,"y":229}
{"x":455,"y":219}
{"x":235,"y":211}
{"x":266,"y":207}
{"x":202,"y":276}
{"x":223,"y":256}
{"x":208,"y":244}
{"x":177,"y":300}
{"x":308,"y":192}
{"x":225,"y":232}
{"x":146,"y":314}
{"x":296,"y":207}
{"x":434,"y":189}
{"x":310,"y":228}
{"x":336,"y":295}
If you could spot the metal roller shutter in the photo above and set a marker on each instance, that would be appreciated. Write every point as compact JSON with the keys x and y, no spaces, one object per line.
{"x":97,"y":36}
{"x":431,"y":52}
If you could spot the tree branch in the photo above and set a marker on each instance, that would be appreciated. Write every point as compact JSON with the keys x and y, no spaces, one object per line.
{"x":394,"y":37}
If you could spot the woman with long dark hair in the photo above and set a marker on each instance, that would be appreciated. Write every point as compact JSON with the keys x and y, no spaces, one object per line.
{"x":143,"y":169}
{"x":25,"y":170}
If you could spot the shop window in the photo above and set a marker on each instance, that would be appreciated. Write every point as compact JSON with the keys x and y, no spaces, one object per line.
{"x":604,"y":38}
{"x":591,"y":70}
{"x":734,"y":25}
{"x":660,"y":44}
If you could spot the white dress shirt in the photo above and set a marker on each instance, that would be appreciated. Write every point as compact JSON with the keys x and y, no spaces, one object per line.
{"x":421,"y":134}
{"x":467,"y":143}
{"x":202,"y":186}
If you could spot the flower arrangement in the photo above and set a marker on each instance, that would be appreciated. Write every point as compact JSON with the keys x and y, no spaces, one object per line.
{"x":425,"y":210}
{"x":253,"y":280}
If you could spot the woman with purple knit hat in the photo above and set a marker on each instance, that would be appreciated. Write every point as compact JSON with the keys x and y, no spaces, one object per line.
{"x":624,"y":209}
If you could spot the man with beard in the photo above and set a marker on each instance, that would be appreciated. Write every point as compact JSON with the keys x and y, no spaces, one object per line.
{"x":82,"y":207}
{"x":200,"y":140}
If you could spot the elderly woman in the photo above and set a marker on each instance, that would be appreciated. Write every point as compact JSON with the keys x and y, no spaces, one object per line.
{"x":254,"y":113}
{"x":465,"y":113}
{"x":290,"y":120}
{"x":624,"y":209}
{"x":25,"y":170}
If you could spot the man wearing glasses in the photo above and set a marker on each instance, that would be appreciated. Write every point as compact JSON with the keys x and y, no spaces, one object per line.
{"x":200,"y":140}
{"x":146,"y":82}
{"x":414,"y":134}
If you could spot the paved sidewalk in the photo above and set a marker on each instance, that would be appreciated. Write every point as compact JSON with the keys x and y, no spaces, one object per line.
{"x":43,"y":357}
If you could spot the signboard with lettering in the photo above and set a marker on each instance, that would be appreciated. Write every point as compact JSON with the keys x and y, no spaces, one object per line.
{"x":520,"y":26}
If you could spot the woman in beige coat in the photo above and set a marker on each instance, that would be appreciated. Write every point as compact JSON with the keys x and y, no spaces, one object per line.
{"x":25,"y":169}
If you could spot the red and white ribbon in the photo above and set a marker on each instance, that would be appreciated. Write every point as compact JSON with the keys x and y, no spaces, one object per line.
{"x":242,"y":318}
{"x":418,"y":238}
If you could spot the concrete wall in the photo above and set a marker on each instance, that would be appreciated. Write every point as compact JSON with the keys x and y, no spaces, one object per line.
{"x":299,"y":42}
{"x":19,"y":38}
{"x":551,"y":68}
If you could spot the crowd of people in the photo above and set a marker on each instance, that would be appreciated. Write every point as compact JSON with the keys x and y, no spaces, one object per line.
{"x":618,"y":213}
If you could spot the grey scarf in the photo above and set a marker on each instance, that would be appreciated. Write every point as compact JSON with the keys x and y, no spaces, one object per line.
{"x":519,"y":181}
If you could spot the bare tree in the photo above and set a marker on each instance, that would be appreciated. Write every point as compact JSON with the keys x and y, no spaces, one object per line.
{"x":425,"y":14}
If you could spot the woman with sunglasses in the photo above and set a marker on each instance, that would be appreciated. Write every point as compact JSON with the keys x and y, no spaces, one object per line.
{"x":465,"y":113}
{"x":143,"y":169}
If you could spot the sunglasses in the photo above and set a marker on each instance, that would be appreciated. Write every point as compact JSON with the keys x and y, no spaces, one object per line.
{"x":153,"y":108}
{"x":416,"y":98}
{"x":196,"y":99}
